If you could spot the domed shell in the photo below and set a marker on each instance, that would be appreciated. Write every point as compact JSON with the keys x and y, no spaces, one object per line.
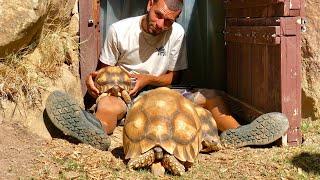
{"x":111,"y":76}
{"x":163,"y":117}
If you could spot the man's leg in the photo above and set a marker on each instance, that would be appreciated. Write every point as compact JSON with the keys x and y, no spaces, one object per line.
{"x":110,"y":109}
{"x":264,"y":130}
{"x":210,"y":100}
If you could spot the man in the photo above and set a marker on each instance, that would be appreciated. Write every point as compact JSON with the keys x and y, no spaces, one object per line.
{"x":151,"y":45}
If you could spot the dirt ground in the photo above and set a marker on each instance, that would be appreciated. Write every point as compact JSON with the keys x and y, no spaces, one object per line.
{"x":25,"y":156}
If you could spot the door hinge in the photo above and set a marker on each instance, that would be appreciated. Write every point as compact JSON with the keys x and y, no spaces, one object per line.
{"x":303,"y":24}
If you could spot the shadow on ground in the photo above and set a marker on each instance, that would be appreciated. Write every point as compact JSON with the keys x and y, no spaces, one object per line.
{"x":307,"y":162}
{"x":118,"y":153}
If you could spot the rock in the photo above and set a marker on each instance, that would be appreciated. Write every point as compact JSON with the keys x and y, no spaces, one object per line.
{"x":21,"y":22}
{"x":74,"y":25}
{"x":60,"y":11}
{"x":34,"y":118}
{"x":311,"y":63}
{"x":75,"y":9}
{"x":157,"y":169}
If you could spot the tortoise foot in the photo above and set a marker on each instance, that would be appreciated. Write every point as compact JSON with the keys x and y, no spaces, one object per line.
{"x":173,"y":165}
{"x":143,"y":160}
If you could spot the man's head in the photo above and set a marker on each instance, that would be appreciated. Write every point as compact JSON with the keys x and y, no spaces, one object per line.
{"x":162,"y":14}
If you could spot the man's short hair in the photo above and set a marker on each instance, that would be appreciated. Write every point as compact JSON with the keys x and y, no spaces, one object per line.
{"x":173,"y":5}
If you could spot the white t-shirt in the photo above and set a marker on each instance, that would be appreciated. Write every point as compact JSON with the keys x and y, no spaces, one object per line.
{"x":128,"y":45}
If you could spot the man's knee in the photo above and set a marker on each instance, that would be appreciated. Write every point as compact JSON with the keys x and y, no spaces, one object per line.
{"x":209,"y":93}
{"x":112,"y":105}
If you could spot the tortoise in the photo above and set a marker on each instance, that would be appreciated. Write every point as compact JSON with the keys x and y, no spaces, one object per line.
{"x":115,"y":81}
{"x":163,"y":126}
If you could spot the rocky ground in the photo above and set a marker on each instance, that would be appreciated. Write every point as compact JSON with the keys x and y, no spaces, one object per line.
{"x":26,"y":156}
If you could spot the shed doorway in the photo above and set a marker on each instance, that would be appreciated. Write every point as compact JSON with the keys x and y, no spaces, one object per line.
{"x":249,"y":49}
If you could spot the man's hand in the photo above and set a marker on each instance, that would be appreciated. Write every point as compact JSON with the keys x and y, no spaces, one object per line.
{"x":145,"y":79}
{"x":92,"y":90}
{"x":141,"y":81}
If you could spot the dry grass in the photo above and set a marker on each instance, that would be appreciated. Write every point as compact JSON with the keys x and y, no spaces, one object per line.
{"x":22,"y":73}
{"x":59,"y":159}
{"x":54,"y":47}
{"x":15,"y":78}
{"x":67,"y":161}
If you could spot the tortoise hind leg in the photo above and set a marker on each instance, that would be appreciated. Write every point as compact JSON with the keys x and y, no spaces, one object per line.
{"x":143,"y":160}
{"x":173,"y":165}
{"x":126,"y":97}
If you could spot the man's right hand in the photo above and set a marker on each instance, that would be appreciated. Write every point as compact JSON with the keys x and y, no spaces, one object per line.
{"x":92,"y":89}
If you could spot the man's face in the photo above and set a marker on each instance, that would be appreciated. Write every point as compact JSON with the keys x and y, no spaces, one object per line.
{"x":160,"y":17}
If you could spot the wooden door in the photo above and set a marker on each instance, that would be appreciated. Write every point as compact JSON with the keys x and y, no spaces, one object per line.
{"x":264,"y":59}
{"x":89,"y":11}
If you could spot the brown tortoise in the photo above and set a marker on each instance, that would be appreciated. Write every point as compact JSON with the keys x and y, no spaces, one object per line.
{"x":115,"y":81}
{"x":163,"y":126}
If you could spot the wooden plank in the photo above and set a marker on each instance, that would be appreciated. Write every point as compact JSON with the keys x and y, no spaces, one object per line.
{"x":294,"y":136}
{"x":290,"y":78}
{"x":272,"y":21}
{"x":294,"y":12}
{"x":266,"y":78}
{"x":244,"y":73}
{"x":236,"y":4}
{"x":88,"y":41}
{"x":259,"y":76}
{"x":295,"y":4}
{"x":232,"y":68}
{"x":239,"y":4}
{"x":274,"y":79}
{"x":96,"y":10}
{"x":302,"y":8}
{"x":253,"y":34}
{"x":294,"y":133}
{"x":274,"y":10}
{"x":288,"y":25}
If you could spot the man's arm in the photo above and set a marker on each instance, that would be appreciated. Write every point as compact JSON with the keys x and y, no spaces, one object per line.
{"x":162,"y":80}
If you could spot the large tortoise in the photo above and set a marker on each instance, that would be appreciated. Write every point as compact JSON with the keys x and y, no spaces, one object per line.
{"x":115,"y":81}
{"x":163,"y":126}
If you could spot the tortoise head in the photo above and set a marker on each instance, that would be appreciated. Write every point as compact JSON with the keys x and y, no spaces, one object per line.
{"x":210,"y":137}
{"x":210,"y":143}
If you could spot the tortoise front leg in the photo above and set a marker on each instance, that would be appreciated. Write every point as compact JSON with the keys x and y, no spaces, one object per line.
{"x":143,"y":160}
{"x":173,"y":165}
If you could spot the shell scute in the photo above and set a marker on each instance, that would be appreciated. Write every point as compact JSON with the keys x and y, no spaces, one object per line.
{"x":111,"y":76}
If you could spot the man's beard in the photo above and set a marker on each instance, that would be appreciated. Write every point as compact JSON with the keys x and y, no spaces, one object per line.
{"x":150,"y":27}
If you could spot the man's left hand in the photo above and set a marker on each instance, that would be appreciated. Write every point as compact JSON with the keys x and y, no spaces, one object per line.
{"x":142,"y":80}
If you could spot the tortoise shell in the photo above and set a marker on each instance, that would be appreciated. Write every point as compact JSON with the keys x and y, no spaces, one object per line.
{"x":111,"y":76}
{"x":163,"y":117}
